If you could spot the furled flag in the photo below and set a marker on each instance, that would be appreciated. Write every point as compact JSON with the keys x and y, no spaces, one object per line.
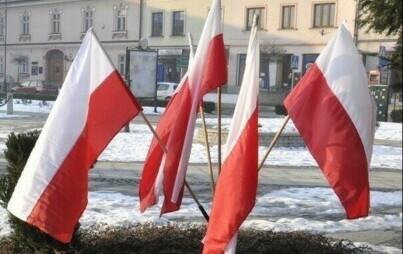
{"x":208,"y":70}
{"x":237,"y":185}
{"x":92,"y":107}
{"x":334,"y":112}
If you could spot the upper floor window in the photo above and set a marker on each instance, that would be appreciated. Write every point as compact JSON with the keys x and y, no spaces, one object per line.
{"x":25,"y":23}
{"x":324,"y":15}
{"x":261,"y":13}
{"x":157,"y":24}
{"x":2,"y":25}
{"x":122,"y":64}
{"x":55,"y":17}
{"x":178,"y":23}
{"x":1,"y":64}
{"x":120,"y":19}
{"x":88,"y":18}
{"x":23,"y":66}
{"x":288,"y":15}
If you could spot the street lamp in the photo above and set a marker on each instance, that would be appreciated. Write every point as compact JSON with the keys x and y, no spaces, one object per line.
{"x":5,"y":46}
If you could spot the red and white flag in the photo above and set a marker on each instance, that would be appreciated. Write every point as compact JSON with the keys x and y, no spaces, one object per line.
{"x":335,"y":113}
{"x":92,"y":107}
{"x":237,"y":185}
{"x":165,"y":173}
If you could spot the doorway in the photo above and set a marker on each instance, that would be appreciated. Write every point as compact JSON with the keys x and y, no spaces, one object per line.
{"x":55,"y":66}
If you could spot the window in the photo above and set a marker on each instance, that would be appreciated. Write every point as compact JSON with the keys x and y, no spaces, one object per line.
{"x":287,"y":21}
{"x":157,"y":22}
{"x":122,"y":65}
{"x":324,"y":15}
{"x":55,"y":22}
{"x":2,"y":25}
{"x":178,"y":23}
{"x":88,"y":18}
{"x":23,"y":67}
{"x":250,"y":12}
{"x":25,"y":22}
{"x":1,"y":64}
{"x":120,"y":20}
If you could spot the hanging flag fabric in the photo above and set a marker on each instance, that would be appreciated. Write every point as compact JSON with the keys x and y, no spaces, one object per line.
{"x":335,"y":114}
{"x":92,"y":107}
{"x":237,"y":185}
{"x":165,"y":173}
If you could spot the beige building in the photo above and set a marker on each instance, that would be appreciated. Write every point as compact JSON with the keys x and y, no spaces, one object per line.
{"x":293,"y":33}
{"x":43,"y":36}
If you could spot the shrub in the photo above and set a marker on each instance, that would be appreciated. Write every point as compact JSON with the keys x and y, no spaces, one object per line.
{"x":24,"y":236}
{"x":396,"y":115}
{"x":171,"y":238}
{"x":31,"y":96}
{"x":208,"y":106}
{"x":18,"y":150}
{"x":280,"y":110}
{"x":151,"y":102}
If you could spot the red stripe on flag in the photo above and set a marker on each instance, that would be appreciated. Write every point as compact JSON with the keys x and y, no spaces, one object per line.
{"x":173,"y":126}
{"x":155,"y":153}
{"x":175,"y":147}
{"x":236,"y":189}
{"x":215,"y":73}
{"x":112,"y":105}
{"x":332,"y":139}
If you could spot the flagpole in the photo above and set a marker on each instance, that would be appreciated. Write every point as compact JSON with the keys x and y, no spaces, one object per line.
{"x":274,"y":141}
{"x":219,"y":128}
{"x":202,"y":210}
{"x":208,"y":150}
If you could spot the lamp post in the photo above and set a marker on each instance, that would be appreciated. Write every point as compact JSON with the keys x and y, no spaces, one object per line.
{"x":5,"y":46}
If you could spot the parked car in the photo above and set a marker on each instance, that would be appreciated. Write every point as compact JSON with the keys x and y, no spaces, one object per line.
{"x":36,"y":86}
{"x":10,"y":85}
{"x":165,"y":90}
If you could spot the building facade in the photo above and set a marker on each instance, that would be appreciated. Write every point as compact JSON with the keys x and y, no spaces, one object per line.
{"x":292,"y":34}
{"x":43,"y":36}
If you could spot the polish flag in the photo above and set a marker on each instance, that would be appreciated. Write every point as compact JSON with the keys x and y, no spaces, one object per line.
{"x":336,"y":115}
{"x":237,"y":185}
{"x":92,"y":107}
{"x":165,"y":173}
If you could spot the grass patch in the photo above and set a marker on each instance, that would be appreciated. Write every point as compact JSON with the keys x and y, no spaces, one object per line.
{"x":148,"y":238}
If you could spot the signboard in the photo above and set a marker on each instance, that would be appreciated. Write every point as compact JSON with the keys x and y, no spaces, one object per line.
{"x":182,"y":61}
{"x":307,"y":62}
{"x":141,"y":72}
{"x":294,"y":62}
{"x":381,"y":96}
{"x":34,"y":68}
{"x":383,"y":64}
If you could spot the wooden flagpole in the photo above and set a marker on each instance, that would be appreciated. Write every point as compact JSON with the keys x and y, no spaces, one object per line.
{"x":202,"y":210}
{"x":219,"y":128}
{"x":208,"y":150}
{"x":274,"y":141}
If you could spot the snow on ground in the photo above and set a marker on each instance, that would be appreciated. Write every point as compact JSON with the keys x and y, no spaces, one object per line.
{"x":133,"y":146}
{"x":34,"y":106}
{"x":279,"y":210}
